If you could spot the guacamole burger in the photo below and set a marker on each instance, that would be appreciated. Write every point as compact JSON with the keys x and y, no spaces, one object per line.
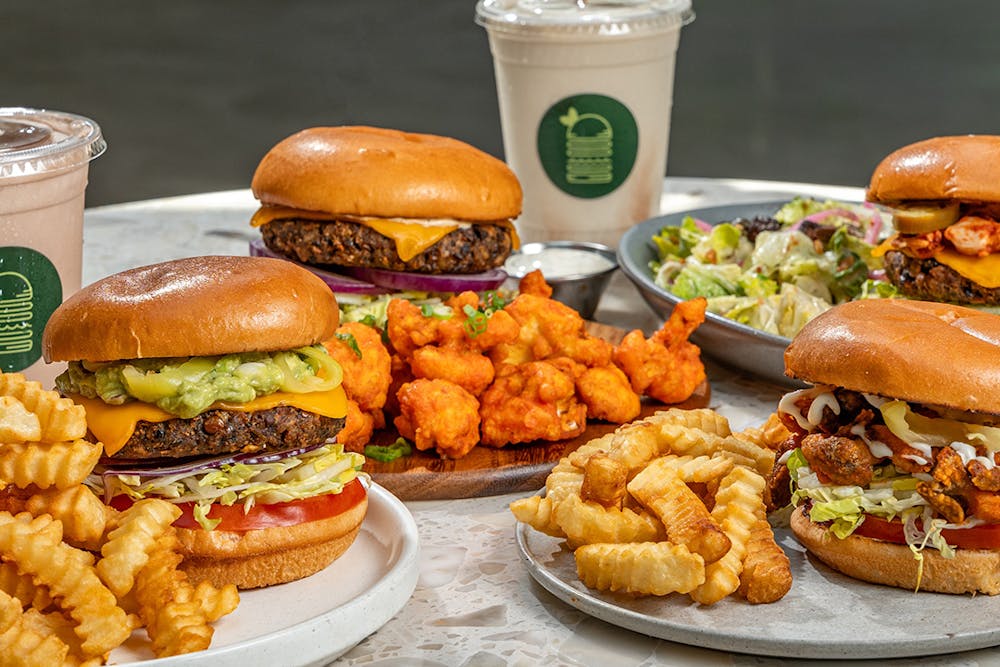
{"x":945,"y":197}
{"x":893,"y":455}
{"x":206,"y":381}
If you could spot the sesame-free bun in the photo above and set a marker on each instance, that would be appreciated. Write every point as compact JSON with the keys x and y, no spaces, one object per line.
{"x":369,"y":171}
{"x":965,"y":167}
{"x":970,"y":571}
{"x":917,"y":351}
{"x":268,"y":556}
{"x":198,"y":306}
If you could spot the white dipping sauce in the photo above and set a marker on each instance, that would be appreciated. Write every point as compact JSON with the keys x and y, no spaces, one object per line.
{"x":558,"y":262}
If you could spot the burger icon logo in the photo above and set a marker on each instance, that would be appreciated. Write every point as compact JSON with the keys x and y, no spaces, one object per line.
{"x":15,"y":313}
{"x":589,"y":147}
{"x":30,"y":290}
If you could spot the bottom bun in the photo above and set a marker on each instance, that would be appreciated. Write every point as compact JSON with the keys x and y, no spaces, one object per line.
{"x":258,"y":558}
{"x":970,"y":571}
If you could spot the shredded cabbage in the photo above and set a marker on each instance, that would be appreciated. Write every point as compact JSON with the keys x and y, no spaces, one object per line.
{"x":324,"y":470}
{"x":916,"y":429}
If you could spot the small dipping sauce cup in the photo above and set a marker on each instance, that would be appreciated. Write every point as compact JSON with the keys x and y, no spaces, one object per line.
{"x":44,"y":161}
{"x":577,"y":271}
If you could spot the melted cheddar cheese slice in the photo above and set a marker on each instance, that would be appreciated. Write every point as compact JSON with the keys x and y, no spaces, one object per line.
{"x":113,"y":425}
{"x":982,"y":270}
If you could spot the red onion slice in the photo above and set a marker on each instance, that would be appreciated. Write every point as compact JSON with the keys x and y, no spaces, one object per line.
{"x":334,"y":281}
{"x":429,"y":282}
{"x":154,"y":467}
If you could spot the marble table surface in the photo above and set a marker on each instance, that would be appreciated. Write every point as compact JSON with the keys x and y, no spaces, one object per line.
{"x":475,"y":602}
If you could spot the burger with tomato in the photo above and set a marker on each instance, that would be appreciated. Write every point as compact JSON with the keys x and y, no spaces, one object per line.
{"x":207,"y":382}
{"x":945,"y":197}
{"x":373,"y":210}
{"x":892,"y":461}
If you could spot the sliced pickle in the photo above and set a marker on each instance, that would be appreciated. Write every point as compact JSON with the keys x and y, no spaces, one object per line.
{"x":924,"y":217}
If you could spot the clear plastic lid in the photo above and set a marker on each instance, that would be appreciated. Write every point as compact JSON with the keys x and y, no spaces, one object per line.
{"x":35,"y":141}
{"x":605,"y":17}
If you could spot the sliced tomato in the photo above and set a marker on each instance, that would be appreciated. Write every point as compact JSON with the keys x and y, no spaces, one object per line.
{"x":984,"y":536}
{"x":294,"y":512}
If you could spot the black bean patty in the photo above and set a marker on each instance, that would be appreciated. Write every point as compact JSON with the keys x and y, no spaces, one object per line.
{"x":218,"y":432}
{"x":471,"y":249}
{"x":930,"y":280}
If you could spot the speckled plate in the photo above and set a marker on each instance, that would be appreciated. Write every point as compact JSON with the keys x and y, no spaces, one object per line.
{"x":314,"y":620}
{"x":825,"y":614}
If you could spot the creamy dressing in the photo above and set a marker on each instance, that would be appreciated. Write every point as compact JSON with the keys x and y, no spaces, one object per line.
{"x":821,"y":395}
{"x":879,"y":449}
{"x":968,"y":454}
{"x":559,"y":262}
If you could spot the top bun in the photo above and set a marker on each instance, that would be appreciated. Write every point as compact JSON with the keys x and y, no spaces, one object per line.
{"x":962,"y":167}
{"x":916,"y":351}
{"x":199,"y":306}
{"x":369,"y":171}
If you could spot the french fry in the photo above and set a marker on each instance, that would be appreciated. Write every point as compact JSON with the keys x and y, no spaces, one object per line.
{"x":23,"y":646}
{"x":61,"y":465}
{"x":702,"y":419}
{"x":697,"y":469}
{"x":603,"y":480}
{"x":767,"y":574}
{"x":216,"y":602}
{"x":601,"y":445}
{"x":589,"y":523}
{"x":101,"y":623}
{"x":84,"y":517}
{"x":129,"y":545}
{"x":646,"y":568}
{"x":23,"y":587}
{"x":60,"y":418}
{"x":637,"y":444}
{"x":17,"y":424}
{"x":661,"y":490}
{"x":770,"y":434}
{"x":739,"y":503}
{"x":536,"y":511}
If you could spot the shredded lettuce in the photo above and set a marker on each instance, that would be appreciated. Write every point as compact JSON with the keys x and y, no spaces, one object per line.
{"x":324,"y":470}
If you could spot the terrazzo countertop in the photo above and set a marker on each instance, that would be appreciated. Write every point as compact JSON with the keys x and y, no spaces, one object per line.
{"x":475,"y":602}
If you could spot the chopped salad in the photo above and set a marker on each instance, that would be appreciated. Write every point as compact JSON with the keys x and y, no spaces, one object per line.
{"x":776,"y":273}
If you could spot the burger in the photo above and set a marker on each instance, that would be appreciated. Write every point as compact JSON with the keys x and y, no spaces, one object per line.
{"x":207,"y":383}
{"x":945,"y":197}
{"x":392,"y":209}
{"x":892,"y":461}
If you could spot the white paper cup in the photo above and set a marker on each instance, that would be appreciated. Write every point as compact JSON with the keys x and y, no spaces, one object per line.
{"x":585,"y":92}
{"x":44,"y":160}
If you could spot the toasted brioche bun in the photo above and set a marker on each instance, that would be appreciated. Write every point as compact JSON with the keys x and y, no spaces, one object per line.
{"x":369,"y":171}
{"x":916,"y":351}
{"x":970,"y":571}
{"x":258,"y":558}
{"x":961,"y":167}
{"x":197,"y":306}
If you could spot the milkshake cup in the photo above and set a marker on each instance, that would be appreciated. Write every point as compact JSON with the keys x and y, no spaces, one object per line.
{"x":585,"y":91}
{"x":44,"y":159}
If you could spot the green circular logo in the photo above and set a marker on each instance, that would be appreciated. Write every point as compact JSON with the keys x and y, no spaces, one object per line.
{"x":587,"y":144}
{"x":30,"y":290}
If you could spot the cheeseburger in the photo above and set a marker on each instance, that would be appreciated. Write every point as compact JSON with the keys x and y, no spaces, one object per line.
{"x":893,"y":455}
{"x":945,"y":196}
{"x":382,"y":205}
{"x":207,"y":383}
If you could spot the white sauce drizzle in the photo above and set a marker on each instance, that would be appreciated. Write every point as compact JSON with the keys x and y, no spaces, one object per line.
{"x":879,"y":449}
{"x":968,"y":454}
{"x":820,"y":394}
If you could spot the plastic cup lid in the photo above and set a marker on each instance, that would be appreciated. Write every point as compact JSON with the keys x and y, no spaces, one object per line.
{"x":35,"y":141}
{"x":604,"y":17}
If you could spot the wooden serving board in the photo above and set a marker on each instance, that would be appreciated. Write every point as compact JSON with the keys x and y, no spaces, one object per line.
{"x":486,"y":471}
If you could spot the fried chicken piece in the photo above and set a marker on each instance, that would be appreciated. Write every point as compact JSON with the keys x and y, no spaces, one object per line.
{"x":947,"y":506}
{"x":608,"y":395}
{"x":550,"y":329}
{"x":534,"y":283}
{"x":983,"y":505}
{"x":359,"y":350}
{"x":440,"y":415}
{"x":358,"y":428}
{"x":531,"y":401}
{"x":666,"y":366}
{"x":471,"y":370}
{"x":904,"y":457}
{"x":983,"y":478}
{"x":842,"y":461}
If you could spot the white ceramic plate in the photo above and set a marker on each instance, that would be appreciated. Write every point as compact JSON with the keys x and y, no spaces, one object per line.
{"x":314,"y":620}
{"x":824,"y":615}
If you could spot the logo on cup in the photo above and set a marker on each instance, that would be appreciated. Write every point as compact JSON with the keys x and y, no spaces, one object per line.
{"x":30,"y":290}
{"x":587,"y":144}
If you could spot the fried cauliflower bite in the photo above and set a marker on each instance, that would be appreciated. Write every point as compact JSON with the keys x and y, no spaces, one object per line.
{"x":608,"y":394}
{"x":440,"y":415}
{"x":358,"y":428}
{"x":666,"y":366}
{"x":469,"y":369}
{"x":408,"y":328}
{"x":550,"y":329}
{"x":534,"y":283}
{"x":531,"y":401}
{"x":367,"y":371}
